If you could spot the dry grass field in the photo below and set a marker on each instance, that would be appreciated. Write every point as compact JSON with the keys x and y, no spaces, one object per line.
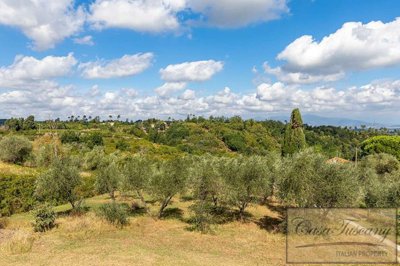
{"x":87,"y":240}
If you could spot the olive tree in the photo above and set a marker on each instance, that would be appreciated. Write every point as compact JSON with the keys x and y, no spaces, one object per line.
{"x":246,"y":178}
{"x":136,"y":174}
{"x":169,"y":179}
{"x":15,"y":149}
{"x":59,"y":182}
{"x":308,"y":180}
{"x":108,"y":176}
{"x":299,"y":171}
{"x":207,"y":178}
{"x":380,"y":177}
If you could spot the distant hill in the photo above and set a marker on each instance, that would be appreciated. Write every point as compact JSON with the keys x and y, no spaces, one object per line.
{"x":315,"y":120}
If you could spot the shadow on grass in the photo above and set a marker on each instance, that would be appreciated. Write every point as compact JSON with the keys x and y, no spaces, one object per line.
{"x":79,"y":211}
{"x":173,"y":213}
{"x":135,"y":211}
{"x":186,"y":198}
{"x":272,"y":224}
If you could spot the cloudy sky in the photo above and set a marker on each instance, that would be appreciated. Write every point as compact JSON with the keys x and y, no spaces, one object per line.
{"x":169,"y":58}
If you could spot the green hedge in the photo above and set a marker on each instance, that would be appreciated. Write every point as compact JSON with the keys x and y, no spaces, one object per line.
{"x":16,"y":194}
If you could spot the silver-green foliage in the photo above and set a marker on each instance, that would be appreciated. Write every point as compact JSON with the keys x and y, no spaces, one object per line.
{"x":15,"y":149}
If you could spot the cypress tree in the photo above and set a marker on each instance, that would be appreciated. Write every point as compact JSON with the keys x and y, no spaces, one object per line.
{"x":294,"y":139}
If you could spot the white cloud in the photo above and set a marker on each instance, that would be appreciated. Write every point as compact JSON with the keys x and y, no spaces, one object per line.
{"x":132,"y":93}
{"x":354,"y":47}
{"x":139,"y":15}
{"x":376,"y":99}
{"x":188,"y":95}
{"x":128,"y":65}
{"x":85,"y":40}
{"x":191,"y":71}
{"x":27,"y":70}
{"x":44,"y":22}
{"x":271,"y":92}
{"x":163,"y":15}
{"x":170,"y":87}
{"x":238,"y":13}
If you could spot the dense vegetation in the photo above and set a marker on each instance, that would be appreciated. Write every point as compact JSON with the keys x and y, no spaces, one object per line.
{"x":222,"y":164}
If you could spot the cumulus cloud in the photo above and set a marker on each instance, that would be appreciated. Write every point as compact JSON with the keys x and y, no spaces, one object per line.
{"x":188,"y":95}
{"x":353,"y":47}
{"x":128,"y":65}
{"x":191,"y":71}
{"x":376,"y":98}
{"x":27,"y":70}
{"x":85,"y":40}
{"x":232,"y":14}
{"x":139,"y":15}
{"x":163,"y":15}
{"x":170,"y":87}
{"x":47,"y":23}
{"x":44,"y":22}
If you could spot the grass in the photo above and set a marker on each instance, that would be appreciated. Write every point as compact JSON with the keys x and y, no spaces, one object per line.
{"x":88,"y":240}
{"x":17,"y":170}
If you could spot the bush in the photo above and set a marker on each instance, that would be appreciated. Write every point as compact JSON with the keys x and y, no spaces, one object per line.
{"x":114,"y":214}
{"x":45,"y":218}
{"x":70,"y":137}
{"x":234,"y":140}
{"x":93,"y":139}
{"x":122,"y":145}
{"x":15,"y":149}
{"x":16,"y":194}
{"x":93,"y":158}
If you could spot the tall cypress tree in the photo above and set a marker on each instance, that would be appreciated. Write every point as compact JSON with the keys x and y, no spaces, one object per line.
{"x":294,"y":139}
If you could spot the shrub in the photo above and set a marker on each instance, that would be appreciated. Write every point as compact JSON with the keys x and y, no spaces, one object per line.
{"x":45,"y":218}
{"x":70,"y":137}
{"x":137,"y":132}
{"x":15,"y":149}
{"x":46,"y":148}
{"x":93,"y":139}
{"x":16,"y":194}
{"x":122,"y":145}
{"x":234,"y":140}
{"x":93,"y":158}
{"x":114,"y":213}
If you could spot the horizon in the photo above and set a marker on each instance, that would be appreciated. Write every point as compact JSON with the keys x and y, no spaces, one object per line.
{"x":308,"y":119}
{"x":254,"y":59}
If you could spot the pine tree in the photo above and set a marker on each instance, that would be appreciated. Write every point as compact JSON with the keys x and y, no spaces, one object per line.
{"x":294,"y":139}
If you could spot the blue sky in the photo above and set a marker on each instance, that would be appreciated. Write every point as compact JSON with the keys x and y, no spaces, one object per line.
{"x":160,"y":58}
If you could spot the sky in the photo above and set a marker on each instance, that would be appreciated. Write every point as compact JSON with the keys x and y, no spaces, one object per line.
{"x":170,"y":58}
